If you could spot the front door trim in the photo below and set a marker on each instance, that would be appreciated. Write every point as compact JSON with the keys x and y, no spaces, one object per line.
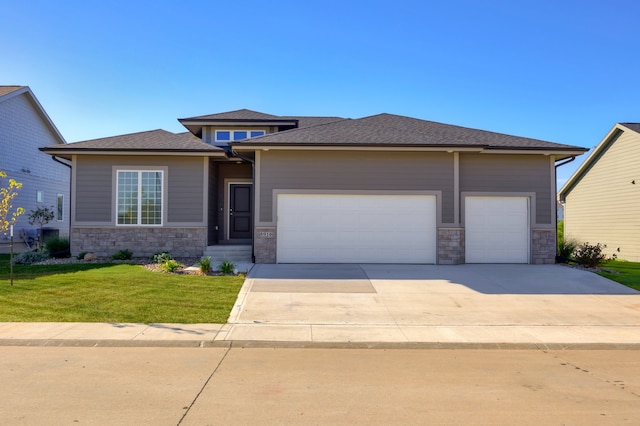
{"x":227,"y":202}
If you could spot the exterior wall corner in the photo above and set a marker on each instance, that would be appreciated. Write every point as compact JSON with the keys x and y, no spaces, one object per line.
{"x":543,"y":246}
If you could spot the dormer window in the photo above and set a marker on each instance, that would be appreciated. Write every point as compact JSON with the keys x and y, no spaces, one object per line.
{"x":236,"y":135}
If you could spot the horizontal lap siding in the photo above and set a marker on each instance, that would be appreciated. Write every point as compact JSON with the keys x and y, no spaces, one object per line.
{"x":94,"y":191}
{"x":604,"y":206}
{"x":510,"y":173}
{"x":356,"y":170}
{"x":186,"y":190}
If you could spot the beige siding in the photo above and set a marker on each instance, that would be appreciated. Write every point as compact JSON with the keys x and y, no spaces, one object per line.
{"x":604,"y":206}
{"x":356,"y":170}
{"x":511,"y":173}
{"x":94,"y":187}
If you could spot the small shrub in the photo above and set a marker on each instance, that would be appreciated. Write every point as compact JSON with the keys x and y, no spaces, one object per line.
{"x":122,"y":255}
{"x":170,"y":265}
{"x":226,"y":267}
{"x":162,"y":257}
{"x":29,"y":257}
{"x":57,"y":247}
{"x":591,"y":256}
{"x":566,"y":249}
{"x":81,"y":255}
{"x":205,"y":265}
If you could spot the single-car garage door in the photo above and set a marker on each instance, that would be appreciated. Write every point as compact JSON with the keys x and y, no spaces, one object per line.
{"x":496,"y":229}
{"x":346,"y":228}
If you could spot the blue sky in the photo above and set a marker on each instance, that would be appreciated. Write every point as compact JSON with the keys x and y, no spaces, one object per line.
{"x":563,"y":71}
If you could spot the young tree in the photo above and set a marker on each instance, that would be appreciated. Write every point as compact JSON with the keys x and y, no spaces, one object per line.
{"x":8,"y":192}
{"x":41,"y":216}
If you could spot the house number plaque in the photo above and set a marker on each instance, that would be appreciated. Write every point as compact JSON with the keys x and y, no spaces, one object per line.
{"x":266,"y":234}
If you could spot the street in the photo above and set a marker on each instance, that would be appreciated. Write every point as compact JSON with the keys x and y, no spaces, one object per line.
{"x":207,"y":386}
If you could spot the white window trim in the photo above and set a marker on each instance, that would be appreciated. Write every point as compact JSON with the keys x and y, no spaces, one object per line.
{"x":39,"y":196}
{"x":139,"y":218}
{"x":231,"y":131}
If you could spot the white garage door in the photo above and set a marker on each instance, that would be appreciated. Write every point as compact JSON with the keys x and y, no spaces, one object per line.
{"x":497,"y":229}
{"x":332,"y":228}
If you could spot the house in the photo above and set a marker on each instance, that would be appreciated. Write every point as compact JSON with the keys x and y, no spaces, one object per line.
{"x":378,"y":189}
{"x":24,"y":128}
{"x":602,"y":198}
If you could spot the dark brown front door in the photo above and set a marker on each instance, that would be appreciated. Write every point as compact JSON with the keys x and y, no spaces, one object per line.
{"x":239,"y":210}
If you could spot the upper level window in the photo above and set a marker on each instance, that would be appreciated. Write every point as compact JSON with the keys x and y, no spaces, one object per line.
{"x":236,"y":135}
{"x":139,"y":199}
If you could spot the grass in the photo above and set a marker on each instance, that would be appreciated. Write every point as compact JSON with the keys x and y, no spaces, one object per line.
{"x":113,"y":293}
{"x":628,"y":273}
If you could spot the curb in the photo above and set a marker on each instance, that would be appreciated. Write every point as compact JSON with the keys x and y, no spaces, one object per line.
{"x":252,"y":344}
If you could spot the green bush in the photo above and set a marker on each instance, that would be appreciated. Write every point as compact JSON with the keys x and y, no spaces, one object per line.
{"x":162,"y":257}
{"x":566,"y":249}
{"x":591,"y":256}
{"x":29,"y":257}
{"x":122,"y":255}
{"x":226,"y":267}
{"x":205,"y":265}
{"x":57,"y":247}
{"x":170,"y":265}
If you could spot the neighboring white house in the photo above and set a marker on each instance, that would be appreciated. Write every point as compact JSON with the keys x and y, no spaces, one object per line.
{"x":25,"y":127}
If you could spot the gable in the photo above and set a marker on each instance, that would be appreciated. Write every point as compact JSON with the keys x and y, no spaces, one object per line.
{"x":614,"y":160}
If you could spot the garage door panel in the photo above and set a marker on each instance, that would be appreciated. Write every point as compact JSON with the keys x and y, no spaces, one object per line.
{"x":356,"y":228}
{"x":497,"y":229}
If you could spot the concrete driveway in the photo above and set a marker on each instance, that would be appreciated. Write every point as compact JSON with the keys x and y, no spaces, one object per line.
{"x":433,"y":303}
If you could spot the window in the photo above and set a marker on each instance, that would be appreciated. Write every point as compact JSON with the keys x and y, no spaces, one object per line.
{"x":236,"y":135}
{"x":139,"y":197}
{"x":39,"y":196}
{"x":60,"y":208}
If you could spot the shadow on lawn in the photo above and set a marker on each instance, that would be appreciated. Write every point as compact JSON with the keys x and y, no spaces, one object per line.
{"x":30,"y":272}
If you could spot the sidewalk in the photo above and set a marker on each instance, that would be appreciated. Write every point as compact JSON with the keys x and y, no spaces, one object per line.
{"x":318,"y":335}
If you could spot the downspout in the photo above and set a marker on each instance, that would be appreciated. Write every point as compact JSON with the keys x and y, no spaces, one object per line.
{"x":557,"y":200}
{"x":57,"y":160}
{"x":231,"y":153}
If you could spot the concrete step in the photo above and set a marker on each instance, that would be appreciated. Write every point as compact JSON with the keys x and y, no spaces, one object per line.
{"x":232,"y":253}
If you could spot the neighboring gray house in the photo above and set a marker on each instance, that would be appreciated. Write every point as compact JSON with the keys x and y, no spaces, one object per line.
{"x":379,"y":189}
{"x":602,"y":198}
{"x":24,"y":128}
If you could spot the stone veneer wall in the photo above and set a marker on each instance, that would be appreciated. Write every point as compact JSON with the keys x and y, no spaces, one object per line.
{"x":265,"y":244}
{"x":543,"y":246}
{"x":450,"y":246}
{"x":143,"y":242}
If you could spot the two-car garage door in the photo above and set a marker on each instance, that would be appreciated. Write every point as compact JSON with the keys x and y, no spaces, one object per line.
{"x":355,"y":228}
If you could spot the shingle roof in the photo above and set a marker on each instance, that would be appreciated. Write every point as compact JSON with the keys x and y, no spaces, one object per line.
{"x":389,"y":129}
{"x":633,"y":126}
{"x":5,"y":90}
{"x":153,"y":140}
{"x":240,"y":114}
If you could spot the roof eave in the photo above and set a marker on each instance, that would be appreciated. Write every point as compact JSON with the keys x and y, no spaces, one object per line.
{"x":45,"y":116}
{"x":66,"y":153}
{"x":602,"y":145}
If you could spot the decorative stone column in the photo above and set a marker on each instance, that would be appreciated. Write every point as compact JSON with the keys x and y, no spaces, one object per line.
{"x":450,"y":246}
{"x":265,"y":239}
{"x":543,"y":246}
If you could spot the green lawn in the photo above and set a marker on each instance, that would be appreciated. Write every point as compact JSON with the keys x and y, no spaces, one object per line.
{"x":113,"y":293}
{"x":629,"y":273}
